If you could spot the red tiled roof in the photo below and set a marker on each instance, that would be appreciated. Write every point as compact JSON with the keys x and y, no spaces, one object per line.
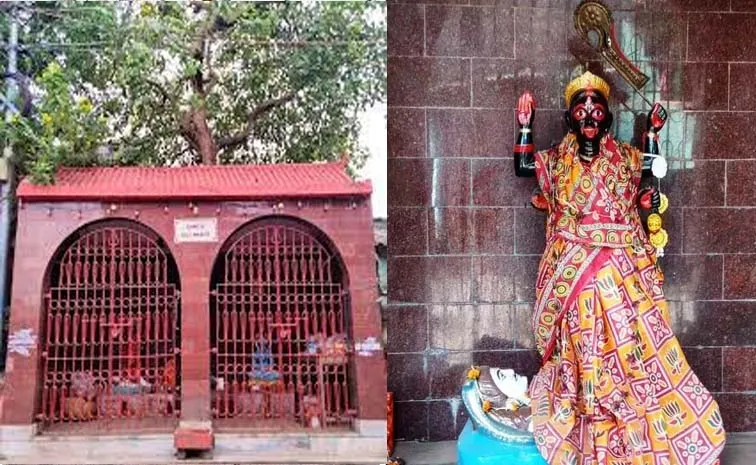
{"x":219,"y":182}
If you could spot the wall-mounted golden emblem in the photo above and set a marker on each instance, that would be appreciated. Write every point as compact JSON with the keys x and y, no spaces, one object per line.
{"x":594,"y":16}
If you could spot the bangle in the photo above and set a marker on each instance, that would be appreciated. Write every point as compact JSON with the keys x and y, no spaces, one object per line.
{"x":524,"y":130}
{"x":523,"y":148}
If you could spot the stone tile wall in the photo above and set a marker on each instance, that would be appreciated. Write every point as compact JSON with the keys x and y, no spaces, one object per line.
{"x":465,"y":244}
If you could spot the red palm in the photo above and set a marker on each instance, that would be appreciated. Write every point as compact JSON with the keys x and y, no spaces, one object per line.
{"x":525,"y":109}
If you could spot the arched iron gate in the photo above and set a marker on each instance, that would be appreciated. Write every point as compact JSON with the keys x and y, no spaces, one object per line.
{"x":280,"y":341}
{"x":110,"y":344}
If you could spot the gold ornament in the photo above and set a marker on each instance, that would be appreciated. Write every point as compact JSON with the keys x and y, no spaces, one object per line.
{"x":659,"y":239}
{"x":592,"y":16}
{"x":654,"y":222}
{"x":473,"y":373}
{"x":585,"y":81}
{"x":663,"y":203}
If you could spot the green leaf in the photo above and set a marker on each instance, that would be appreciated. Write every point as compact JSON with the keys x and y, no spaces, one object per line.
{"x":137,"y":73}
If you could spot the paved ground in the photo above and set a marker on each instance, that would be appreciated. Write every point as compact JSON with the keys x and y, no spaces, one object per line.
{"x":740,"y":450}
{"x":427,"y":453}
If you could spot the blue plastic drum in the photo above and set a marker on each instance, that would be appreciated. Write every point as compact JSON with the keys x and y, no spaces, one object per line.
{"x":477,"y":448}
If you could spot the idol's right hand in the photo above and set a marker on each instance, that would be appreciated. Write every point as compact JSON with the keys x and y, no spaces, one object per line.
{"x":656,"y":118}
{"x":650,"y":198}
{"x":526,"y":109}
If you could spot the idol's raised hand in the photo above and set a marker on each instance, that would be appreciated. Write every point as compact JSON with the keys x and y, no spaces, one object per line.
{"x":656,"y":118}
{"x":524,"y":163}
{"x":649,"y":198}
{"x":526,"y":109}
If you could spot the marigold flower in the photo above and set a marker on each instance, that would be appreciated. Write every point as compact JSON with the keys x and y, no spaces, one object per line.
{"x":487,"y":406}
{"x":473,"y":373}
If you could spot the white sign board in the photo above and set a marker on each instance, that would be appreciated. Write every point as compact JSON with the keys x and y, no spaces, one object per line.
{"x":22,"y":342}
{"x":195,"y":230}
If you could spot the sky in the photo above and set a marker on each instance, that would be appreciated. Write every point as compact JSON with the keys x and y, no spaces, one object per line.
{"x":373,"y":138}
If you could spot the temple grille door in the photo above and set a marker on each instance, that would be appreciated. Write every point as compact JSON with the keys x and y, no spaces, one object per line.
{"x":280,"y":356}
{"x":110,"y":338}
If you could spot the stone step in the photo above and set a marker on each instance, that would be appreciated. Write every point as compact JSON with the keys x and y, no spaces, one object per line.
{"x":289,"y":448}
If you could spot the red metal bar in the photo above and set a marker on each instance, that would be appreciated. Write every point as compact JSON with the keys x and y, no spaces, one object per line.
{"x":110,"y":344}
{"x":279,"y":331}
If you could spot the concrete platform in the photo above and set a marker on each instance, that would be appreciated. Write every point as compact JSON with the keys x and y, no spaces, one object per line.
{"x":17,"y":447}
{"x":740,"y":450}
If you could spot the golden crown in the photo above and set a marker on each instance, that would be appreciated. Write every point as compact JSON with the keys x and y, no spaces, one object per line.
{"x":585,"y":81}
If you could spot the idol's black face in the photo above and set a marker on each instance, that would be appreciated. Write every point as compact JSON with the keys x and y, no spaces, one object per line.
{"x":589,"y":117}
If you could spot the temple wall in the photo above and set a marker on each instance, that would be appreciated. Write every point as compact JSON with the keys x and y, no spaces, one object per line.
{"x":465,"y":244}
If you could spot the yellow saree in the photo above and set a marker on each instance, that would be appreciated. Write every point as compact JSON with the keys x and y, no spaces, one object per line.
{"x":615,"y":387}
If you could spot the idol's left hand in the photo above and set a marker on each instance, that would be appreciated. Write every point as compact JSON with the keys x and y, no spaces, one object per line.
{"x":656,"y":118}
{"x":650,"y":198}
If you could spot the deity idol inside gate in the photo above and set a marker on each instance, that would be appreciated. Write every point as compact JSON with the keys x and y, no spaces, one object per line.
{"x":614,"y":387}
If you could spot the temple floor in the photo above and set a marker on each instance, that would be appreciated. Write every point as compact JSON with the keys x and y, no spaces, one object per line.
{"x":740,"y":450}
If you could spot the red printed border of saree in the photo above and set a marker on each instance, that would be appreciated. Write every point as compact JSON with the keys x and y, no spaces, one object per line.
{"x":570,"y":275}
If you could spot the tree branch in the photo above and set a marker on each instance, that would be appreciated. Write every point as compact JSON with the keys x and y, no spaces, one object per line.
{"x":26,"y":95}
{"x":187,"y":133}
{"x":166,"y":96}
{"x":269,"y":105}
{"x":194,"y":146}
{"x":199,"y":49}
{"x":309,"y":43}
{"x":210,"y":83}
{"x":239,"y":138}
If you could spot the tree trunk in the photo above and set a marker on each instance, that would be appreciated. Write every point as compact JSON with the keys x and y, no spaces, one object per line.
{"x":197,"y":132}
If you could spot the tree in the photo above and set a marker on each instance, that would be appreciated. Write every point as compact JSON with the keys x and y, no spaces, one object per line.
{"x":164,"y":83}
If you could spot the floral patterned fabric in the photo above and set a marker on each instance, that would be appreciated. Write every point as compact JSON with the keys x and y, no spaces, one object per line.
{"x":615,"y":387}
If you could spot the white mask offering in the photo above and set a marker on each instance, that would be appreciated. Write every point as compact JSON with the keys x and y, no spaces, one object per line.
{"x":511,"y":384}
